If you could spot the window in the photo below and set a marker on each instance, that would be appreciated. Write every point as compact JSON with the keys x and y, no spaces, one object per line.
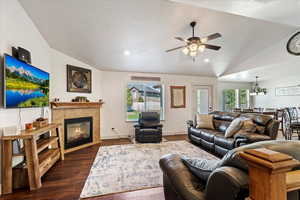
{"x":236,"y":98}
{"x":143,"y":97}
{"x":229,"y":100}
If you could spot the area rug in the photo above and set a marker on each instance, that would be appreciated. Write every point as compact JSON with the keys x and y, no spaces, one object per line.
{"x":122,"y":168}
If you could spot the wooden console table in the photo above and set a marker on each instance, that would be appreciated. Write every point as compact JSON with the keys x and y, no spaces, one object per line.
{"x":40,"y":154}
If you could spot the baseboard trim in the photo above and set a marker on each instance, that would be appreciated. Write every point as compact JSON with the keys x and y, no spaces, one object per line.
{"x":0,"y":189}
{"x":110,"y":137}
{"x":175,"y":133}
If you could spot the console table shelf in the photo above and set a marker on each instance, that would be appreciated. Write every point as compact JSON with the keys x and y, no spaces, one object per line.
{"x":40,"y":153}
{"x":44,"y":143}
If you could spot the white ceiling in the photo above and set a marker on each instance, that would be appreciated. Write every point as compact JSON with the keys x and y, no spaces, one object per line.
{"x":98,"y":33}
{"x":280,"y":11}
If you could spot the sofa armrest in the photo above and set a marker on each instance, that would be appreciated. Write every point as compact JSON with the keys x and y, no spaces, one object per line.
{"x":159,"y":125}
{"x":227,"y":183}
{"x":251,"y":137}
{"x":137,"y":126}
{"x":190,"y":123}
{"x":186,"y":185}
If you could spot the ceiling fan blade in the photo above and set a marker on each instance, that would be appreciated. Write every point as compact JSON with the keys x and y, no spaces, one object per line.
{"x":181,"y":39}
{"x":212,"y":47}
{"x":176,"y":48}
{"x":211,"y":37}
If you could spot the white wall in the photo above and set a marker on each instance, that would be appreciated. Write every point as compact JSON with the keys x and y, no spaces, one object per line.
{"x":114,"y":95}
{"x":229,"y":85}
{"x":16,"y":29}
{"x":272,"y":101}
{"x":58,"y":79}
{"x":19,"y":30}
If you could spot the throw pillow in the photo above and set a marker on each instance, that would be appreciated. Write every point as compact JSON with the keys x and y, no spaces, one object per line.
{"x":247,"y":127}
{"x":201,"y":168}
{"x":234,"y":127}
{"x":205,"y":121}
{"x":260,"y":129}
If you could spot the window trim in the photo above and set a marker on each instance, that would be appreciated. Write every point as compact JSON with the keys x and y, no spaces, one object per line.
{"x":237,"y":98}
{"x":162,"y":115}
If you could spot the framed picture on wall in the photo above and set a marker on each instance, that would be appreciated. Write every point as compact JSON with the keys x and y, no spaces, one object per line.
{"x":178,"y":97}
{"x":79,"y":79}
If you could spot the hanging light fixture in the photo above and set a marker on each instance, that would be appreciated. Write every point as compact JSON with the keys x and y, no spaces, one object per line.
{"x":196,"y":45}
{"x":256,"y":91}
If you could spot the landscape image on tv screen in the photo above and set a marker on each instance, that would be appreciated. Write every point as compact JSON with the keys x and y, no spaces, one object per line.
{"x":25,"y":85}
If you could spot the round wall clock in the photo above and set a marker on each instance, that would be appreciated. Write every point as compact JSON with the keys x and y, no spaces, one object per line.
{"x":293,"y":45}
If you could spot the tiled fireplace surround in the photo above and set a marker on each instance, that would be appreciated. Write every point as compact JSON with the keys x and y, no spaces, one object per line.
{"x":74,"y":113}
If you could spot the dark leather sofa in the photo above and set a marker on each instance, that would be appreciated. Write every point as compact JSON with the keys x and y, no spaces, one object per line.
{"x":215,"y":141}
{"x":148,"y":129}
{"x":229,"y":181}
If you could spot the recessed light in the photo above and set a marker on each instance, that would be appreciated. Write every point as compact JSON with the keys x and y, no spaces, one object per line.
{"x":206,"y":60}
{"x":127,"y":53}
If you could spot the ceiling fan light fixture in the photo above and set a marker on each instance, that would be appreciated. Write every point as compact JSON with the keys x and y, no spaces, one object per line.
{"x":193,"y":47}
{"x":193,"y":53}
{"x":201,"y":48}
{"x":185,"y":51}
{"x":196,"y":45}
{"x":204,"y":40}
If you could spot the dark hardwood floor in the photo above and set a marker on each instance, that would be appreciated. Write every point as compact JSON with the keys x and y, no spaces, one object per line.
{"x":66,"y":179}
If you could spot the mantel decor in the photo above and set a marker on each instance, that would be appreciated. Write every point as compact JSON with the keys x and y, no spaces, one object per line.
{"x":178,"y":97}
{"x":79,"y":79}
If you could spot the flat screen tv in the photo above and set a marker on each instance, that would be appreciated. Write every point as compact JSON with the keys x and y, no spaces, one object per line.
{"x":25,"y":86}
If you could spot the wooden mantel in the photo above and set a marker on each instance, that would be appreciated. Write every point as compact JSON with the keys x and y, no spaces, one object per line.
{"x":79,"y":105}
{"x":71,"y":110}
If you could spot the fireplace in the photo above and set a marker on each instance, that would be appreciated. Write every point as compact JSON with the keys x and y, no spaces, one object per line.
{"x":78,"y":131}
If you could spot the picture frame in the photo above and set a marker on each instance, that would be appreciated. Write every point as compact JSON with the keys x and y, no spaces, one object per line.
{"x":178,"y":96}
{"x":288,"y":91}
{"x":79,"y":79}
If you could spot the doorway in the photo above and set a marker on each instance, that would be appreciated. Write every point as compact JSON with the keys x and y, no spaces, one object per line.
{"x":202,"y":99}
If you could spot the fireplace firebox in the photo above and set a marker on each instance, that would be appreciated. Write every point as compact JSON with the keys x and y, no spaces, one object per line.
{"x":78,"y":131}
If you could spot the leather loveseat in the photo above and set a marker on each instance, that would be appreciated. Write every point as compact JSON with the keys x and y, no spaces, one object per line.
{"x":215,"y":141}
{"x":229,"y":181}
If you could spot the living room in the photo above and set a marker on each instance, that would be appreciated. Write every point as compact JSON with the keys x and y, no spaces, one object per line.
{"x":125,"y":51}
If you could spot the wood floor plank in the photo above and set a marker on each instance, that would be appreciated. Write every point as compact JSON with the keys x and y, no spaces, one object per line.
{"x":66,"y":179}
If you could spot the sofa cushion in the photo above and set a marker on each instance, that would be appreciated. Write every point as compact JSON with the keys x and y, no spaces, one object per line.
{"x":258,"y":119}
{"x":208,"y":135}
{"x":221,"y":125}
{"x":224,"y":142}
{"x":226,"y":116}
{"x":195,"y":131}
{"x":234,"y":127}
{"x":205,"y":121}
{"x":252,"y":137}
{"x":201,"y":168}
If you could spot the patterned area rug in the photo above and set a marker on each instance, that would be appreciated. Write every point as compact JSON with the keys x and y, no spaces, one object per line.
{"x":122,"y":168}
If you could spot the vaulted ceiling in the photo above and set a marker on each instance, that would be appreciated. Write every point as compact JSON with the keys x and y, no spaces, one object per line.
{"x":279,"y":11}
{"x":98,"y":32}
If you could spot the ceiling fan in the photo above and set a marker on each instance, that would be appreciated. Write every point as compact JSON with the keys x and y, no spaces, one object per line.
{"x":194,"y":45}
